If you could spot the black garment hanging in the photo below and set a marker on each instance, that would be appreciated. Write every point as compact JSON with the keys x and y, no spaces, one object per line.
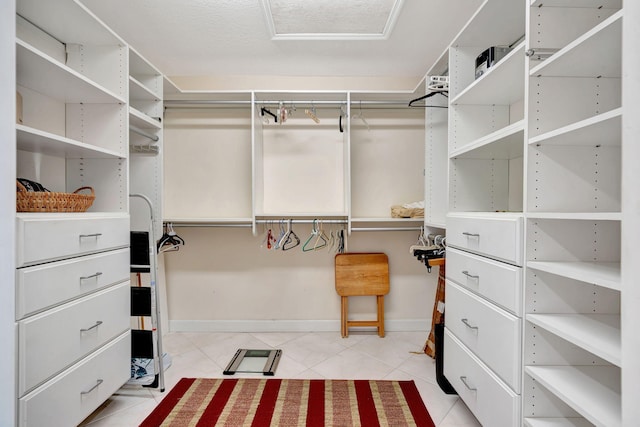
{"x":429,"y":95}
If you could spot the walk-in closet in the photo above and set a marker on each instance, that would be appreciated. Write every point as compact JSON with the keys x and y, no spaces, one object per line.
{"x":196,"y":181}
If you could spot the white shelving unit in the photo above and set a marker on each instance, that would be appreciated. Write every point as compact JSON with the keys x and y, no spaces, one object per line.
{"x":486,"y":150}
{"x":573,"y":287}
{"x":71,"y":73}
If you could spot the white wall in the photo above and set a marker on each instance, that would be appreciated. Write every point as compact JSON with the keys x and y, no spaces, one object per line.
{"x":7,"y":214}
{"x":223,"y":280}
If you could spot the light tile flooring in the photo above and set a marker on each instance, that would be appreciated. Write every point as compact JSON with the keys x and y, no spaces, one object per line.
{"x":304,"y":355}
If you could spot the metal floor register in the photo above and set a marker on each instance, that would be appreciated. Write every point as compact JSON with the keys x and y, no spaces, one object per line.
{"x":254,"y":361}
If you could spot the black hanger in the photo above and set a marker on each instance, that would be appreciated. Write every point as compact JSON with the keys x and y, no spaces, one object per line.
{"x":429,"y":95}
{"x":264,"y":110}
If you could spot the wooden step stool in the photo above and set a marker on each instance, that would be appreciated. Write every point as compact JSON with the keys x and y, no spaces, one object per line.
{"x":362,"y":274}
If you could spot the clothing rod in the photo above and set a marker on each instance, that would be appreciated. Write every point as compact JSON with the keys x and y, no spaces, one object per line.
{"x":386,"y":229}
{"x":284,"y":101}
{"x":140,"y":132}
{"x":207,"y":224}
{"x":301,"y":221}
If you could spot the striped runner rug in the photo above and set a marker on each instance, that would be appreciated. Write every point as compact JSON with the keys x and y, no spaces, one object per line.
{"x":290,"y":402}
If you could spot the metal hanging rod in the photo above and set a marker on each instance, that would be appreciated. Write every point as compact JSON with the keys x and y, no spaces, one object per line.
{"x":386,"y":229}
{"x":207,"y":224}
{"x":301,"y":221}
{"x":140,"y":132}
{"x":286,"y":102}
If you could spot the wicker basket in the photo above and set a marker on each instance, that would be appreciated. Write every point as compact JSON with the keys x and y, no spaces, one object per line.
{"x":47,"y":201}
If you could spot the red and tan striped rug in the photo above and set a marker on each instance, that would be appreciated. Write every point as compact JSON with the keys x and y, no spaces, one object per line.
{"x":290,"y":402}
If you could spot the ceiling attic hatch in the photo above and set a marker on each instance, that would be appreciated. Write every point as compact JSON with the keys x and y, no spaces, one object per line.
{"x":331,"y":19}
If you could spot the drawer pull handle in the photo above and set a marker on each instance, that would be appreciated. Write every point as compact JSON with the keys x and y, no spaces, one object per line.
{"x":95,"y":386}
{"x":468,"y":325}
{"x":98,"y":273}
{"x":470,"y":234}
{"x":471,"y":276}
{"x":86,"y":236}
{"x":466,"y":384}
{"x":98,"y":323}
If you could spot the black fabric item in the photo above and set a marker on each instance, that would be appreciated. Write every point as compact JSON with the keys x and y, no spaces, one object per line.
{"x":140,"y":301}
{"x":443,"y":382}
{"x":32,"y":186}
{"x":139,"y":252}
{"x":141,"y":344}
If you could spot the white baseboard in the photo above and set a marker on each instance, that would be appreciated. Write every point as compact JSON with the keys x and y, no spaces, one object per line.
{"x":404,"y":325}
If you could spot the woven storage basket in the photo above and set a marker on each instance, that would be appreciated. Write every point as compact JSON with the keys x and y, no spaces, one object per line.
{"x":47,"y":201}
{"x":397,"y":211}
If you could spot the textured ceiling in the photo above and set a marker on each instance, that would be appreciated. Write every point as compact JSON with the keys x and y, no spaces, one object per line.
{"x":232,"y":37}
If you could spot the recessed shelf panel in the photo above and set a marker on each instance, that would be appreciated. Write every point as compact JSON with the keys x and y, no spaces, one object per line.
{"x":582,"y":216}
{"x":605,"y":4}
{"x":597,"y":333}
{"x":141,"y":120}
{"x":37,"y":141}
{"x":603,"y":129}
{"x":505,"y":143}
{"x":557,"y":422}
{"x":596,"y":53}
{"x":61,"y":82}
{"x":593,"y":391}
{"x":605,"y":274}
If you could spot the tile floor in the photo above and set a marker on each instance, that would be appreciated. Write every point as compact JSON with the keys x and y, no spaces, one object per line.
{"x":304,"y":355}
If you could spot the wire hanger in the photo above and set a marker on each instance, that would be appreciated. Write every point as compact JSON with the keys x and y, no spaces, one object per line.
{"x":170,"y":241}
{"x":312,"y":113}
{"x":290,"y":239}
{"x":361,"y":117}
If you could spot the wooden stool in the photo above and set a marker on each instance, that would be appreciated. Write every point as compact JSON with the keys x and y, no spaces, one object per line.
{"x":362,"y":274}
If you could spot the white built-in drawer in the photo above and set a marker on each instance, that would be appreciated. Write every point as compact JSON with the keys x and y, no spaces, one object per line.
{"x":497,"y":236}
{"x":70,"y":397}
{"x":45,"y":285}
{"x":489,"y":399}
{"x":488,"y":331}
{"x":497,"y":281}
{"x":53,"y":340}
{"x":50,"y":237}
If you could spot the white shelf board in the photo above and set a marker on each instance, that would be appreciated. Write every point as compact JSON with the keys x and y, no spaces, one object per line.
{"x":505,"y":143}
{"x":43,"y":74}
{"x":503,"y":84}
{"x":580,"y":216}
{"x":598,"y":334}
{"x":301,"y":215}
{"x":605,"y":4}
{"x":495,"y":23}
{"x":141,"y":120}
{"x":440,"y":225}
{"x":38,"y":141}
{"x":68,"y":21}
{"x":557,"y":422}
{"x":388,"y":220}
{"x":605,"y":274}
{"x":604,"y":129}
{"x":138,"y":91}
{"x":490,"y":215}
{"x":596,"y":53}
{"x":138,"y":65}
{"x":593,"y":391}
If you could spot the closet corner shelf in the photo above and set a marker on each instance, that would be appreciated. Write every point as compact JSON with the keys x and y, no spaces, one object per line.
{"x":62,"y":83}
{"x":38,"y":141}
{"x":598,"y":334}
{"x":557,"y":422}
{"x":505,"y":143}
{"x":143,"y":121}
{"x":597,"y":53}
{"x":593,"y":391}
{"x":605,"y":274}
{"x":138,"y":91}
{"x":602,"y":129}
{"x":481,"y":29}
{"x":503,"y":84}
